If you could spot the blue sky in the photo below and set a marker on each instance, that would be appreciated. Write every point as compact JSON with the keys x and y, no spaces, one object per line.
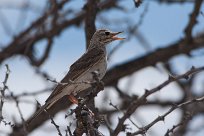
{"x":162,"y":25}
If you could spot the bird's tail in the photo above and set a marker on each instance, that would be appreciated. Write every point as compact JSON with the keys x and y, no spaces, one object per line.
{"x":37,"y":113}
{"x":42,"y":109}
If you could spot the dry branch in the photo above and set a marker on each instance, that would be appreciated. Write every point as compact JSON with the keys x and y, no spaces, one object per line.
{"x":144,"y":129}
{"x":143,"y":99}
{"x":2,"y":90}
{"x":151,"y":59}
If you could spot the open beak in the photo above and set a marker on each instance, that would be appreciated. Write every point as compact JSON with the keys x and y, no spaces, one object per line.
{"x":114,"y":37}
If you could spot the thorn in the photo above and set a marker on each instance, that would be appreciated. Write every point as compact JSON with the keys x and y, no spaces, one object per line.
{"x":81,"y":100}
{"x":138,"y":3}
{"x":161,"y":118}
{"x":7,"y":68}
{"x":174,"y":105}
{"x":146,"y":91}
{"x":192,"y":68}
{"x":186,"y":77}
{"x":171,"y":77}
{"x":38,"y":104}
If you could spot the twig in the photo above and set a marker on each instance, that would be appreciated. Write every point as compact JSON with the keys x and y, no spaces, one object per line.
{"x":90,"y":27}
{"x":51,"y":118}
{"x":21,"y":115}
{"x":11,"y":96}
{"x":173,"y":128}
{"x":8,"y":123}
{"x":162,"y":117}
{"x":70,"y":82}
{"x":192,"y":20}
{"x":2,"y":97}
{"x":133,"y":32}
{"x":68,"y":131}
{"x":44,"y":74}
{"x":114,"y":106}
{"x":137,"y":3}
{"x":114,"y":74}
{"x":2,"y":90}
{"x":141,"y":100}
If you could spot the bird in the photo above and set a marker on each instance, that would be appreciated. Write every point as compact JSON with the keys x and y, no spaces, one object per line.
{"x":94,"y":59}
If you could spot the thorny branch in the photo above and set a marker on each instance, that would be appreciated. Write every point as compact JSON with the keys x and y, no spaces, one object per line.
{"x":171,"y":131}
{"x":24,"y":94}
{"x":21,"y":115}
{"x":2,"y":90}
{"x":193,"y":21}
{"x":143,"y":99}
{"x":151,"y":59}
{"x":144,"y":129}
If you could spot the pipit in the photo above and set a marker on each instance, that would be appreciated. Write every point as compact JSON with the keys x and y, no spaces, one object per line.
{"x":80,"y":73}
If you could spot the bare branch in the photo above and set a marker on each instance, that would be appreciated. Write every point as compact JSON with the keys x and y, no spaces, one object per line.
{"x":162,"y":117}
{"x":2,"y":90}
{"x":90,"y":28}
{"x":160,"y":55}
{"x":143,"y":99}
{"x":192,"y":21}
{"x":21,"y":115}
{"x":188,"y":117}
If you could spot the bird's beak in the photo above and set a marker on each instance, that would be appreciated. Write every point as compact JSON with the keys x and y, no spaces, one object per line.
{"x":114,"y":37}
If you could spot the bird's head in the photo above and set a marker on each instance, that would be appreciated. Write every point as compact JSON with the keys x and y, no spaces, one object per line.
{"x":104,"y":36}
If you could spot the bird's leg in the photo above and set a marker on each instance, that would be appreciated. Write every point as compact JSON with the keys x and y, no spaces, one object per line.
{"x":73,"y":99}
{"x":100,"y":85}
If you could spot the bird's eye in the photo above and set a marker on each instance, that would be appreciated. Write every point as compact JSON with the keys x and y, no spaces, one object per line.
{"x":107,"y":33}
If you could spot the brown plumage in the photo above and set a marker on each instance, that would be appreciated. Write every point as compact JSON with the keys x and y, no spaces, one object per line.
{"x":82,"y":65}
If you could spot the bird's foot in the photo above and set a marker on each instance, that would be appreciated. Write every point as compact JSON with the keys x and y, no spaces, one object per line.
{"x":73,"y":99}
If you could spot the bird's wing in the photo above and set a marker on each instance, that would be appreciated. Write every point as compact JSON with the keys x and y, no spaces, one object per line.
{"x":83,"y":64}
